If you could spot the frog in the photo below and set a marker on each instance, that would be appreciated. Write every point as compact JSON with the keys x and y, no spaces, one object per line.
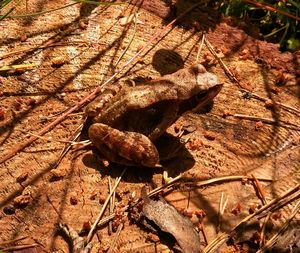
{"x":126,"y":128}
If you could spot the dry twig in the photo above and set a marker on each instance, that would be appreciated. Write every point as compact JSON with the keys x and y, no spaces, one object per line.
{"x":130,"y":41}
{"x":78,"y":243}
{"x":19,"y":247}
{"x":90,"y":235}
{"x":12,"y":241}
{"x":222,"y":207}
{"x":222,"y":238}
{"x":27,"y":49}
{"x":233,"y":78}
{"x":264,"y":202}
{"x":226,"y":179}
{"x":268,"y":121}
{"x":111,"y":204}
{"x":259,"y":190}
{"x":204,"y":233}
{"x":273,"y":239}
{"x":16,"y":67}
{"x":115,"y":240}
{"x":174,"y":180}
{"x":149,"y":194}
{"x":200,"y":47}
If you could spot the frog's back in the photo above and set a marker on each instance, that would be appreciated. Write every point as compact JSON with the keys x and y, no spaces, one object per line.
{"x":138,"y":109}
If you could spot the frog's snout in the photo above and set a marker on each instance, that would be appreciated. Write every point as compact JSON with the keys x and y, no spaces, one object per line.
{"x":207,"y":80}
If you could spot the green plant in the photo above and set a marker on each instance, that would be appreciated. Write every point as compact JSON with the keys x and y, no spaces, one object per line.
{"x":278,"y":21}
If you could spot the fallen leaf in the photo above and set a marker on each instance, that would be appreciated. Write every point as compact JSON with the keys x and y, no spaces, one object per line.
{"x":169,"y":220}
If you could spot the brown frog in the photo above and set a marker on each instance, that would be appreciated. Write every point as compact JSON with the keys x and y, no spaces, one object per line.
{"x":127,"y":127}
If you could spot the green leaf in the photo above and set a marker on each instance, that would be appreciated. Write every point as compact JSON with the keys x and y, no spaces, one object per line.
{"x":4,"y":3}
{"x":293,"y":44}
{"x":297,"y":5}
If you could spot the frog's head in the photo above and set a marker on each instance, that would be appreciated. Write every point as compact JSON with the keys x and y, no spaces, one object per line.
{"x":208,"y":86}
{"x":196,"y":87}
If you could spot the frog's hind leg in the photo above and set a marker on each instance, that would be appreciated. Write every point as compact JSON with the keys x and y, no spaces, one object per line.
{"x":128,"y":148}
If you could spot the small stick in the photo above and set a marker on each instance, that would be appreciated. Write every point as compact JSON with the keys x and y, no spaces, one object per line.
{"x":188,"y":199}
{"x":263,"y":230}
{"x":204,"y":233}
{"x":160,"y":188}
{"x":19,"y":247}
{"x":54,"y":207}
{"x":264,"y":201}
{"x":271,"y":8}
{"x":222,"y":238}
{"x":59,"y":8}
{"x":228,"y":178}
{"x":115,"y":240}
{"x":146,"y":245}
{"x":13,"y":241}
{"x":280,"y":204}
{"x":233,"y":78}
{"x":200,"y":47}
{"x":86,"y":142}
{"x":287,"y":107}
{"x":273,"y":202}
{"x":90,"y":235}
{"x":130,"y":41}
{"x":111,"y":205}
{"x":267,"y":120}
{"x":149,"y":194}
{"x":77,"y":242}
{"x":259,"y":190}
{"x":222,"y":207}
{"x":20,"y":66}
{"x":44,"y":118}
{"x":219,"y":214}
{"x":250,"y":117}
{"x":174,"y":180}
{"x":10,"y":10}
{"x":41,"y":47}
{"x":274,"y":238}
{"x":108,"y":218}
{"x":223,"y":65}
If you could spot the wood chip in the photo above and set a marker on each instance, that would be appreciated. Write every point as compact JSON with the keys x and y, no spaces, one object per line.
{"x":210,"y":135}
{"x":22,"y":201}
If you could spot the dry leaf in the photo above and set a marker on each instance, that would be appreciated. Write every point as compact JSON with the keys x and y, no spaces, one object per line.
{"x":169,"y":220}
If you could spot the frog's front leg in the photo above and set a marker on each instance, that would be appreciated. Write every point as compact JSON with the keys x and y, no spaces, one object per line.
{"x":168,"y":117}
{"x":129,"y":148}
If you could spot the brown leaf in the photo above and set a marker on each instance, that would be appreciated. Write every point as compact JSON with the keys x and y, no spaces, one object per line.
{"x":169,"y":220}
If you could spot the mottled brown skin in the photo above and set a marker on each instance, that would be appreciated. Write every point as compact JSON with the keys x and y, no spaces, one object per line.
{"x":126,"y":127}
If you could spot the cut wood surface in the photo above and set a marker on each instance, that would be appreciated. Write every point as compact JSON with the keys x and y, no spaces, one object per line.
{"x":76,"y":49}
